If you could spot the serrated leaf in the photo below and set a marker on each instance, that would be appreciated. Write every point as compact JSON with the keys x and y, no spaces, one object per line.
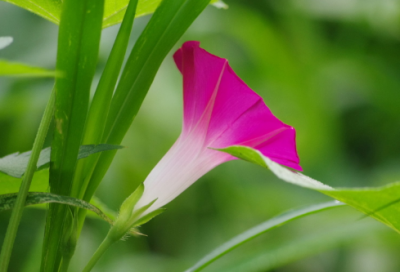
{"x":15,"y":164}
{"x":5,"y":41}
{"x":114,"y":10}
{"x":260,"y":229}
{"x":8,"y":68}
{"x":7,"y":202}
{"x":381,"y":203}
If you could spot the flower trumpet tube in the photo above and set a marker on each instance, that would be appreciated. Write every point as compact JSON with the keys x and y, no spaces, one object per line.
{"x":220,"y":110}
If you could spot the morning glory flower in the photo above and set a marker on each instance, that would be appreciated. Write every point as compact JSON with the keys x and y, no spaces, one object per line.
{"x":219,"y":110}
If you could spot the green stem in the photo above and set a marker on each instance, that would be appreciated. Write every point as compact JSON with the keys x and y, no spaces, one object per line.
{"x":26,"y":183}
{"x":107,"y":242}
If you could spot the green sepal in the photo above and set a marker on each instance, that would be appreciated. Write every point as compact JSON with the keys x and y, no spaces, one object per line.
{"x":148,"y":217}
{"x":123,"y":225}
{"x":128,"y":205}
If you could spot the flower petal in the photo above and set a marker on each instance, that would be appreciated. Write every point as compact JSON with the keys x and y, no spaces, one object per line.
{"x":225,"y":111}
{"x":201,"y":72}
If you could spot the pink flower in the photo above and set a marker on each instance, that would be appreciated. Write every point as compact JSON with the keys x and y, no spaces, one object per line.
{"x":220,"y":110}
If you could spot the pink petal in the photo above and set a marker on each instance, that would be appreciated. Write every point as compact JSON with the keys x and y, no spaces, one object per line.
{"x":220,"y":110}
{"x":198,"y":84}
{"x":225,"y":111}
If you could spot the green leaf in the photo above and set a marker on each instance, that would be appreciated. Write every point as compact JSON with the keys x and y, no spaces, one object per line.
{"x":115,"y":9}
{"x":260,"y":229}
{"x":77,"y":55}
{"x":48,"y":9}
{"x":40,"y":182}
{"x":106,"y":210}
{"x":22,"y":70}
{"x":299,"y":248}
{"x":113,"y":12}
{"x":166,"y":26}
{"x":381,"y":203}
{"x":15,"y":164}
{"x":5,"y":41}
{"x":7,"y":202}
{"x":102,"y":98}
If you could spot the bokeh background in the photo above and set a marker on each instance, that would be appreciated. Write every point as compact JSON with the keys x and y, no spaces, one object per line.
{"x":328,"y":68}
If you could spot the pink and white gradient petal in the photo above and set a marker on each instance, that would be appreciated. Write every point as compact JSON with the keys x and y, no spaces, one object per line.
{"x":220,"y":110}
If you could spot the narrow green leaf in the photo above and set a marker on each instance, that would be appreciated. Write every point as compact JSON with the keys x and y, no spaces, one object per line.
{"x":16,"y":214}
{"x":77,"y":54}
{"x":299,"y":248}
{"x":102,"y":100}
{"x":15,"y":164}
{"x":113,"y":13}
{"x":166,"y":26}
{"x":23,"y":70}
{"x":105,"y":89}
{"x":5,"y":41}
{"x":106,"y":210}
{"x":87,"y":150}
{"x":367,"y":200}
{"x":260,"y":229}
{"x":7,"y":202}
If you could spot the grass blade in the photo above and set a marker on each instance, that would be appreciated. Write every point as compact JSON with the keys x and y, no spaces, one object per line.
{"x":102,"y":99}
{"x":25,"y":185}
{"x":260,"y":229}
{"x":78,"y":45}
{"x":167,"y":25}
{"x":7,"y":202}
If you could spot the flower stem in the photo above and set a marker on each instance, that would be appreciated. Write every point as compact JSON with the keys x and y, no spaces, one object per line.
{"x":25,"y":184}
{"x":107,"y":242}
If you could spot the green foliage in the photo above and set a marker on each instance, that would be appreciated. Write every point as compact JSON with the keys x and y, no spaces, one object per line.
{"x":23,"y":70}
{"x":258,"y":230}
{"x":34,"y":198}
{"x":114,"y":10}
{"x":78,"y":46}
{"x":331,"y":71}
{"x":101,"y":102}
{"x":299,"y":248}
{"x":40,"y":182}
{"x":167,"y":25}
{"x":371,"y":201}
{"x":15,"y":164}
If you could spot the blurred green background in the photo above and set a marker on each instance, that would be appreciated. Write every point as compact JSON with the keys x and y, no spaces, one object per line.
{"x":328,"y":68}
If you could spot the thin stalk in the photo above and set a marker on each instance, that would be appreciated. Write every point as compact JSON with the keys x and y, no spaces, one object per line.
{"x":25,"y":184}
{"x":107,"y":242}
